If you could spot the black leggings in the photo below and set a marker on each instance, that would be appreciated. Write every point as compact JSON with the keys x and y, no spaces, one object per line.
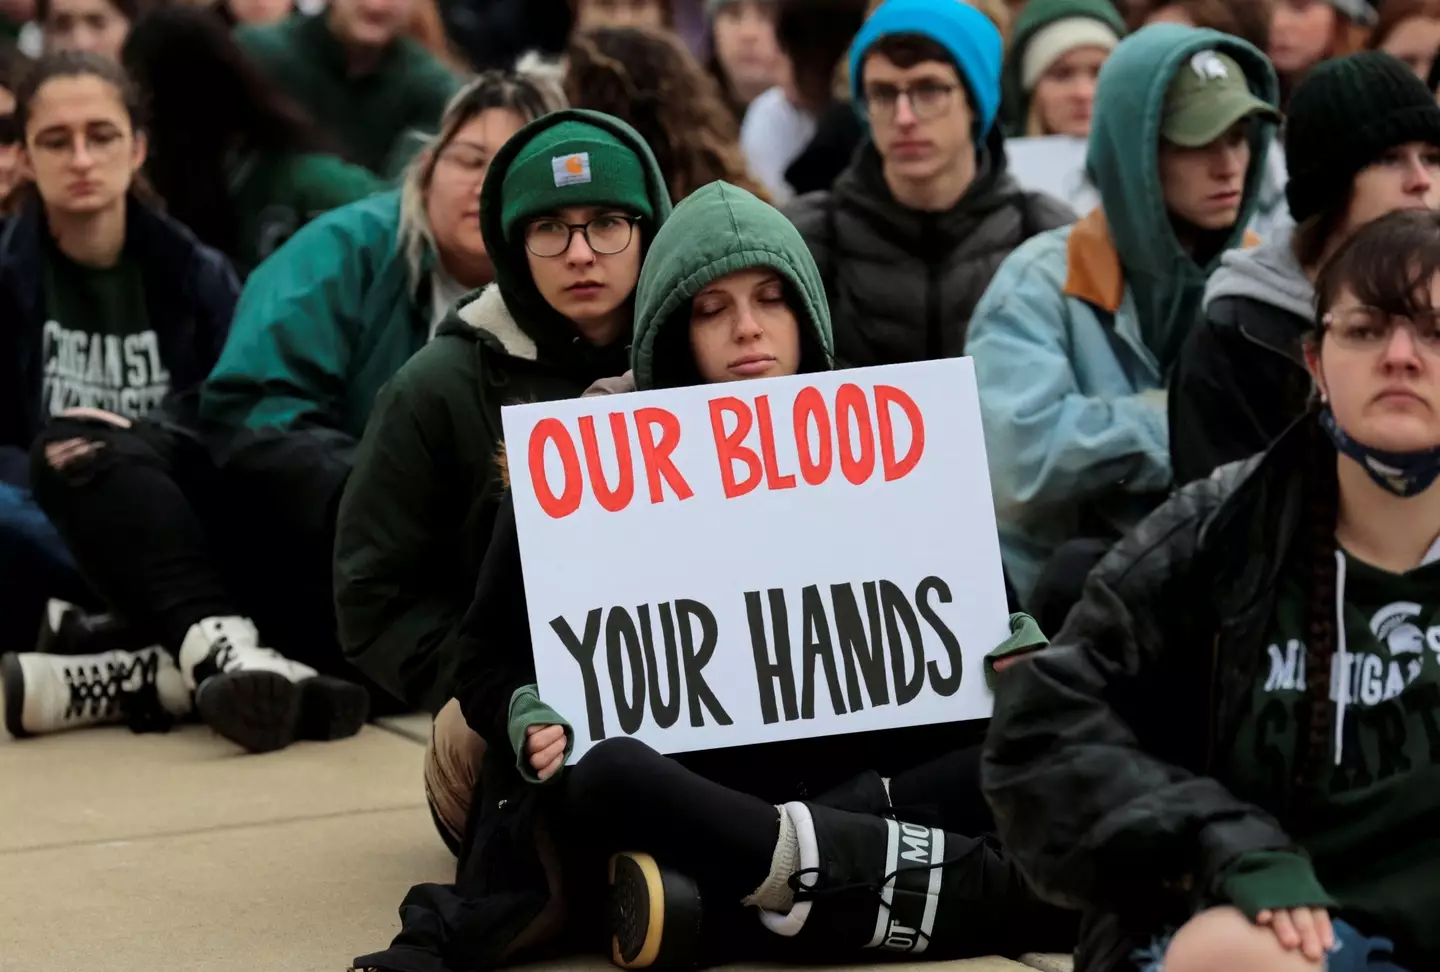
{"x":168,"y":540}
{"x":623,"y":795}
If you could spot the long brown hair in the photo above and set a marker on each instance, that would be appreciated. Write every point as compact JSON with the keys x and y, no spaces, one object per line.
{"x":1247,"y":19}
{"x":649,"y":79}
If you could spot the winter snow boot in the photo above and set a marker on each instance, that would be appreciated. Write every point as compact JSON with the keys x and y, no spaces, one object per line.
{"x":868,"y":792}
{"x":50,"y":693}
{"x":654,"y":915}
{"x":258,"y":698}
{"x":865,"y":882}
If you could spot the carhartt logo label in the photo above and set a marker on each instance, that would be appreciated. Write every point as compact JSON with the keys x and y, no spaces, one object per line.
{"x":1208,"y":66}
{"x":571,"y":170}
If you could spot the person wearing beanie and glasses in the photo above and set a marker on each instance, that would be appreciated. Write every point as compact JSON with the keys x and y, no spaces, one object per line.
{"x":1056,"y":50}
{"x":1074,"y":340}
{"x":910,"y":234}
{"x":568,"y":206}
{"x":1305,"y":33}
{"x":1241,"y":378}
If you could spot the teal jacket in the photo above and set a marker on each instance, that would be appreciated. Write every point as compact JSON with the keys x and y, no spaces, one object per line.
{"x":1075,"y":336}
{"x":321,"y":325}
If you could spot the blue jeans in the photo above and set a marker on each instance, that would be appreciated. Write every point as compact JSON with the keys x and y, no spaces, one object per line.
{"x":35,"y":565}
{"x":1353,"y":952}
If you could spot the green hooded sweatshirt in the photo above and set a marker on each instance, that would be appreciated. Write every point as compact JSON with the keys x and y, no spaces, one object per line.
{"x":1039,"y":14}
{"x":717,"y":230}
{"x":1168,"y":285}
{"x":418,"y":508}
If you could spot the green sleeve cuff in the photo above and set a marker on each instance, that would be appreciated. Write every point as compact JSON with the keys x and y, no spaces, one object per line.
{"x":1025,"y":637}
{"x":1271,"y":880}
{"x":527,"y":710}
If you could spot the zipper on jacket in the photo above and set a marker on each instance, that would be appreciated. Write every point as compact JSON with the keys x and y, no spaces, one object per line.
{"x":934,"y":342}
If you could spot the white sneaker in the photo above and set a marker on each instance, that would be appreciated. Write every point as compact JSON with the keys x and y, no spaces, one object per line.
{"x":258,"y":698}
{"x":50,"y":693}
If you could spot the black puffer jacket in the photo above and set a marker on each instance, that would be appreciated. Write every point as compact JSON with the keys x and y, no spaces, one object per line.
{"x":1102,"y":756}
{"x":902,"y":283}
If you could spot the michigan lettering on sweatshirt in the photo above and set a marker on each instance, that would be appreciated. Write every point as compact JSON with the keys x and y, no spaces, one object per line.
{"x":120,"y":373}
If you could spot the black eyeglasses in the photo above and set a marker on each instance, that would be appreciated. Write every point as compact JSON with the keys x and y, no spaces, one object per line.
{"x":9,"y":130}
{"x":606,"y":234}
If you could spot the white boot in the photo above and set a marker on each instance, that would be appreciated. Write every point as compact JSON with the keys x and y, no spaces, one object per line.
{"x":218,"y":646}
{"x":49,"y":693}
{"x":258,"y":698}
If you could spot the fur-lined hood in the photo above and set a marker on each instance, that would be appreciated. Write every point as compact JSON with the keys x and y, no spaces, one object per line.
{"x":482,"y":316}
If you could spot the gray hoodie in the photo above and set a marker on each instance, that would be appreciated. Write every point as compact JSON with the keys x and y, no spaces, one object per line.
{"x":1268,"y":273}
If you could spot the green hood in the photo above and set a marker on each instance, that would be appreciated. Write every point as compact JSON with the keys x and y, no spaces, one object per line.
{"x":1167,"y":284}
{"x":1037,"y":15}
{"x":715,"y":231}
{"x":552,"y":333}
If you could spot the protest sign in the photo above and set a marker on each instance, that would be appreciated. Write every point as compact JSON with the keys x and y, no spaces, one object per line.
{"x":740,"y":563}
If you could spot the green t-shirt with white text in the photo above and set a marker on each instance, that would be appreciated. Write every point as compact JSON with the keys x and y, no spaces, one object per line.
{"x":1375,"y":837}
{"x":99,"y":348}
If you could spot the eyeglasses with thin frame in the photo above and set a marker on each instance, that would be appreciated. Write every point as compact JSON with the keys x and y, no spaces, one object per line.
{"x":1371,"y":329}
{"x":928,"y":99}
{"x":606,"y":234}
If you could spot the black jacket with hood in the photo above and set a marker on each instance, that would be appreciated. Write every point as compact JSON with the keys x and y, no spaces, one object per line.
{"x":903,"y":284}
{"x":1106,"y":756}
{"x":1240,"y":379}
{"x":417,"y":510}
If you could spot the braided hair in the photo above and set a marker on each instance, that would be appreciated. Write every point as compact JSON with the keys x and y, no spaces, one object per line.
{"x":1390,"y":264}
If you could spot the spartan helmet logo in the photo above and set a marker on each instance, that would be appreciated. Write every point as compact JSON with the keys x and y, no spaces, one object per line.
{"x":1208,"y":66}
{"x":1394,"y":626}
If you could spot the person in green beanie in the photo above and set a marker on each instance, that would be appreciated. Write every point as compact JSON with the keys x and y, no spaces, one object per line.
{"x":357,"y":73}
{"x":1056,"y":50}
{"x":568,"y":208}
{"x":728,"y":293}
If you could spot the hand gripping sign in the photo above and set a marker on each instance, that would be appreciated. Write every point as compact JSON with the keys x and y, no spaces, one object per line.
{"x":741,"y":563}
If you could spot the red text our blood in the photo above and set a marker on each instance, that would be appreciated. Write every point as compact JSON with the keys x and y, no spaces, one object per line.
{"x":850,"y":437}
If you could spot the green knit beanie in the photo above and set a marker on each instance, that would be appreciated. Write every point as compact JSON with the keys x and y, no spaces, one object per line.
{"x":573,"y":163}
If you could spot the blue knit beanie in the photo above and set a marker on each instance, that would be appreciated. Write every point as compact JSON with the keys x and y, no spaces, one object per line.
{"x":966,"y":33}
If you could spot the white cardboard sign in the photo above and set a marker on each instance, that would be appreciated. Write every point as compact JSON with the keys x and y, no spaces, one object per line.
{"x":741,"y":563}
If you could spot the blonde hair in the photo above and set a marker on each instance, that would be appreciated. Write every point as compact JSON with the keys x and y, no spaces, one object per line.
{"x":528,"y":94}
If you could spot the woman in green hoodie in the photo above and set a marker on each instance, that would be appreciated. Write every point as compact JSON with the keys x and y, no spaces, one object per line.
{"x":567,"y":210}
{"x":1056,"y":50}
{"x":1078,"y":330}
{"x":729,"y":293}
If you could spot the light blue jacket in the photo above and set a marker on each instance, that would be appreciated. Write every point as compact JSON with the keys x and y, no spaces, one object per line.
{"x":1075,"y":335}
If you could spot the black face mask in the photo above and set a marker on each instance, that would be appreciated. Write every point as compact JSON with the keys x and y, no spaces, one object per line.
{"x":9,"y":131}
{"x":1402,"y":473}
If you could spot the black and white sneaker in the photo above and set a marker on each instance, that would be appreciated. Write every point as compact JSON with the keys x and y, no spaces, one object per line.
{"x":258,"y":698}
{"x":864,"y":881}
{"x":654,"y":916}
{"x":51,"y":693}
{"x":70,"y":630}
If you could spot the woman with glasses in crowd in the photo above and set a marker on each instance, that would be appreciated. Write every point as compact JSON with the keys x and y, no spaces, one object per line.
{"x":1228,"y":755}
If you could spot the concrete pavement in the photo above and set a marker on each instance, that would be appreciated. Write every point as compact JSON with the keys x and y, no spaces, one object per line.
{"x":178,"y":853}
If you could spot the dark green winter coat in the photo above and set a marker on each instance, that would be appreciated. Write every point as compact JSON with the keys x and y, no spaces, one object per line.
{"x":416,"y":515}
{"x":369,"y":113}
